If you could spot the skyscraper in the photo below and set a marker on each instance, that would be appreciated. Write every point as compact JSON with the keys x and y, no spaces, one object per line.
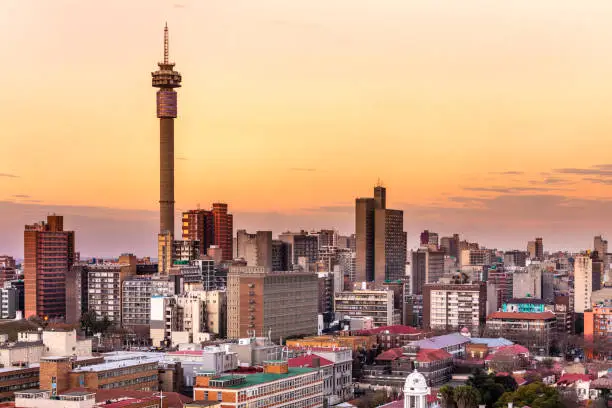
{"x":223,"y":230}
{"x":583,"y":283}
{"x":539,"y":249}
{"x":255,"y":249}
{"x":48,"y":256}
{"x":600,"y":246}
{"x":198,"y":225}
{"x":381,"y":240}
{"x":166,"y":79}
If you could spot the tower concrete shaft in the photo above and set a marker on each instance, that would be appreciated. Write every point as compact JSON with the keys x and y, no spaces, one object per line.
{"x":166,"y":79}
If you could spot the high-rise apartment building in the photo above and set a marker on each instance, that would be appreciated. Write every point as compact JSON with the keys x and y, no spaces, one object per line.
{"x":223,"y":230}
{"x":255,"y":249}
{"x":380,"y":239}
{"x":583,"y":283}
{"x":427,"y":267}
{"x":454,"y":306}
{"x":377,"y":304}
{"x":104,"y":283}
{"x":281,"y":304}
{"x":198,"y":225}
{"x":48,"y":256}
{"x":600,"y":246}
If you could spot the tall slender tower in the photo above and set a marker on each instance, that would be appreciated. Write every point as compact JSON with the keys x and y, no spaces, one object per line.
{"x":166,"y":79}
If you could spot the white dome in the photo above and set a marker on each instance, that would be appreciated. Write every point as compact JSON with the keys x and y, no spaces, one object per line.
{"x":415,"y":382}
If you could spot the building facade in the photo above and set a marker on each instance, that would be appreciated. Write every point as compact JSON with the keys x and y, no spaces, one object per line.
{"x":48,"y":256}
{"x":377,"y":304}
{"x":280,"y":304}
{"x":583,"y":283}
{"x":454,"y":306}
{"x":533,"y":330}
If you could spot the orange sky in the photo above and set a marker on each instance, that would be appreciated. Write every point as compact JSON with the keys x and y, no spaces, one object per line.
{"x":293,"y":104}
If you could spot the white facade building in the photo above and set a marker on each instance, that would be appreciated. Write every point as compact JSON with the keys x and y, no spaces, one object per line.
{"x":583,"y":283}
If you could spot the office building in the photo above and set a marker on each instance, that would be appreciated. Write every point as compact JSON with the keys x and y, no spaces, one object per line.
{"x":280,"y":304}
{"x":16,"y":379}
{"x":539,"y":249}
{"x":255,"y":249}
{"x":198,"y":225}
{"x":380,"y":239}
{"x":7,"y":269}
{"x":276,"y":386}
{"x":503,"y":280}
{"x":9,"y":301}
{"x":600,"y":246}
{"x":281,"y":255}
{"x":77,"y":297}
{"x":527,"y":282}
{"x":223,"y":230}
{"x":302,"y":245}
{"x":48,"y":256}
{"x":427,"y":267}
{"x":515,"y":258}
{"x":583,"y":283}
{"x":429,"y":239}
{"x":450,"y":246}
{"x":476,"y":257}
{"x":531,"y":249}
{"x":136,"y":293}
{"x":377,"y":304}
{"x":533,"y":330}
{"x":454,"y":306}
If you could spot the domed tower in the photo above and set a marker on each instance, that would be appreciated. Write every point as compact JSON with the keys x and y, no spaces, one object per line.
{"x":166,"y":79}
{"x":416,"y":391}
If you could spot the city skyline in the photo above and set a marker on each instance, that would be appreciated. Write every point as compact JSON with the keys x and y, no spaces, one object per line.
{"x":268,"y":124}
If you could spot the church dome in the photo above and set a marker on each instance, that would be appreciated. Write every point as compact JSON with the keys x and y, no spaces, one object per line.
{"x":415,"y":382}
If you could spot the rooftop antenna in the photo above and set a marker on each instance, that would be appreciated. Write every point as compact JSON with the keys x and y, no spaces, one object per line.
{"x":166,"y":46}
{"x":379,"y":183}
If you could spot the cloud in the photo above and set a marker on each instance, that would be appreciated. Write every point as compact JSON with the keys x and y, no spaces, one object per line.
{"x":598,"y":181}
{"x":307,"y":169}
{"x":178,"y":6}
{"x":552,"y":180}
{"x":333,"y":209}
{"x":603,"y":166}
{"x":509,"y":190}
{"x":21,"y":196}
{"x":586,"y":172}
{"x":508,"y":173}
{"x":181,"y":158}
{"x":8,"y":175}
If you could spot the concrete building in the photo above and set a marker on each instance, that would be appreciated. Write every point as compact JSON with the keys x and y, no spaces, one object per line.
{"x":302,"y":245}
{"x":274,"y":387}
{"x":476,"y":257}
{"x":223,"y":230}
{"x":281,"y":255}
{"x":280,"y":303}
{"x":104,"y":283}
{"x":16,"y":379}
{"x":598,"y":327}
{"x":165,"y":252}
{"x":531,"y":249}
{"x":454,"y":306}
{"x":533,"y":330}
{"x":9,"y":301}
{"x":600,"y":245}
{"x":427,"y":267}
{"x":48,"y":256}
{"x":515,"y":258}
{"x":429,"y":239}
{"x":503,"y":279}
{"x":136,"y":301}
{"x":77,"y":297}
{"x":583,"y":283}
{"x":539,"y":249}
{"x":198,"y":225}
{"x":527,"y":282}
{"x":450,"y":246}
{"x":185,"y":250}
{"x":380,"y":239}
{"x":255,"y":249}
{"x":377,"y":304}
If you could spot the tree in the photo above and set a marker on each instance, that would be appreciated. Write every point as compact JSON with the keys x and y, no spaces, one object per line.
{"x":491,"y":387}
{"x":447,"y":396}
{"x":92,"y":324}
{"x":536,"y":395}
{"x":466,"y":396}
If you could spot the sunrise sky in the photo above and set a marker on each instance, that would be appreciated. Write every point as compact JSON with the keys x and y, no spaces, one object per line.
{"x":491,"y":119}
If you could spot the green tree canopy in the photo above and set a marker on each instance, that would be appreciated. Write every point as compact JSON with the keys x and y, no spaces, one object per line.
{"x":535,"y":395}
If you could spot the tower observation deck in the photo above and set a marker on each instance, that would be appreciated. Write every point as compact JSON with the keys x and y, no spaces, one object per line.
{"x":166,"y":79}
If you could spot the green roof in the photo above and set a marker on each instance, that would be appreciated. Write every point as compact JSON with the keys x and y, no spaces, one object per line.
{"x":262,"y":378}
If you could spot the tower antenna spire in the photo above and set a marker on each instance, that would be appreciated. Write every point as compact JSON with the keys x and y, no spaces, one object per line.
{"x":166,"y":53}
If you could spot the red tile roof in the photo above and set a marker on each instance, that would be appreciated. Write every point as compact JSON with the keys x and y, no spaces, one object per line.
{"x":129,"y":401}
{"x":522,"y":316}
{"x":572,"y":378}
{"x":174,"y":399}
{"x":429,"y":355}
{"x":395,"y":329}
{"x":391,"y":354}
{"x":306,"y":361}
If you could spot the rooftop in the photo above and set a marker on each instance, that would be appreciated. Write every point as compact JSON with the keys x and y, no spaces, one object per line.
{"x":522,"y":316}
{"x":438,"y":342}
{"x":130,"y":401}
{"x":307,"y":361}
{"x":262,"y":378}
{"x":174,"y":400}
{"x":429,"y":355}
{"x":395,"y":329}
{"x":114,"y":365}
{"x":528,"y":301}
{"x":491,"y":342}
{"x":391,"y":354}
